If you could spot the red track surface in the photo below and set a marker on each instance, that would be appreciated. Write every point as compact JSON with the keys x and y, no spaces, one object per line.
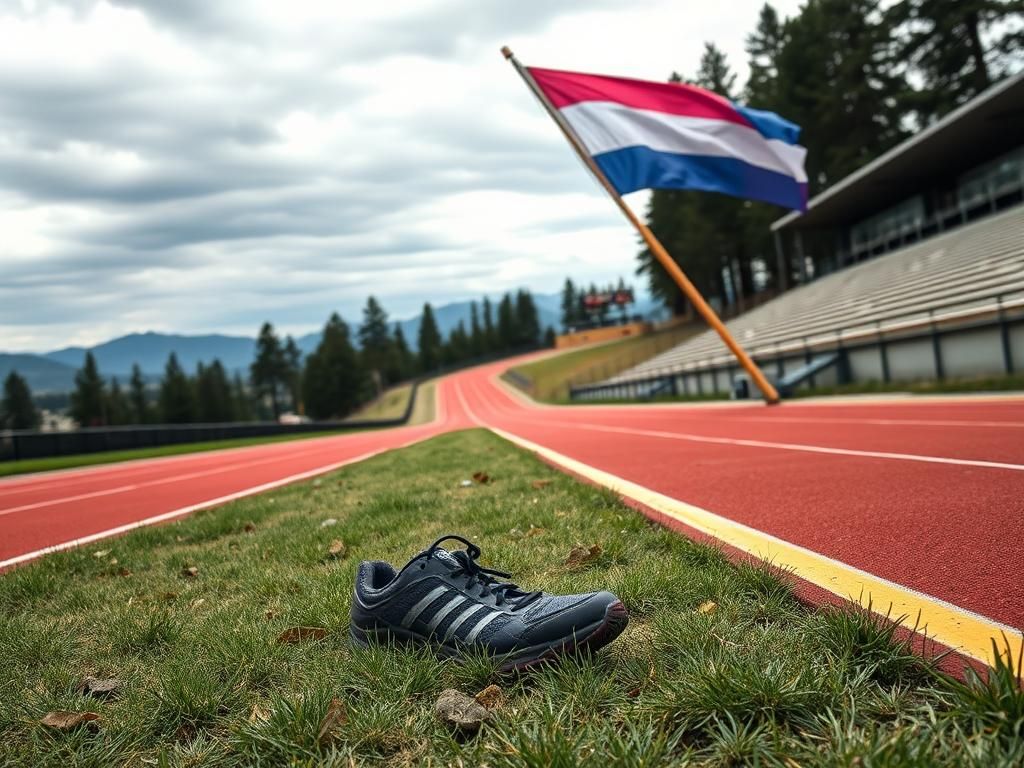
{"x":927,"y":494}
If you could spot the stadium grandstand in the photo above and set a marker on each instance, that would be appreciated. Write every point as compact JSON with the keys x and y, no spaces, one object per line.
{"x":927,"y":247}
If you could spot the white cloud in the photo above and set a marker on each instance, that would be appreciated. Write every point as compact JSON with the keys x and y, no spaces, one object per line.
{"x":196,"y":166}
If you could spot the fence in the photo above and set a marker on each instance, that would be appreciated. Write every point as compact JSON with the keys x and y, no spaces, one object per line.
{"x":935,"y":346}
{"x":19,"y":445}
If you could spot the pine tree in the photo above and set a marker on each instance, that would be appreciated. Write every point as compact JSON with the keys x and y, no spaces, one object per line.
{"x":241,"y":402}
{"x":429,"y":341}
{"x":507,"y":329}
{"x":375,"y":341}
{"x":17,"y":411}
{"x":333,"y":381}
{"x":549,"y":337}
{"x":838,"y":79}
{"x":137,"y":398}
{"x":215,"y":400}
{"x":119,"y":410}
{"x":714,"y":73}
{"x":268,"y":371}
{"x":763,"y":47}
{"x":570,"y":305}
{"x":527,"y":322}
{"x":956,"y":48}
{"x":476,"y":332}
{"x":88,"y":401}
{"x":293,"y":372}
{"x":406,"y":359}
{"x":489,"y":331}
{"x":177,"y":398}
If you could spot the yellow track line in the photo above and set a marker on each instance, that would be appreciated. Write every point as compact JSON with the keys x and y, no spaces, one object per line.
{"x":959,"y":629}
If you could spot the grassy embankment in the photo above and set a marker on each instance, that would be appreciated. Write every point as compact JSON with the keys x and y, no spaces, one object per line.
{"x":720,"y":665}
{"x":422,"y":413}
{"x":550,"y":378}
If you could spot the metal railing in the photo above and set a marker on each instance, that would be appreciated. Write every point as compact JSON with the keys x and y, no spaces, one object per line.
{"x":687,"y":379}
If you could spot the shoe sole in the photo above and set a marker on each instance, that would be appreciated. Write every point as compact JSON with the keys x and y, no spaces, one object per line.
{"x":589,"y":639}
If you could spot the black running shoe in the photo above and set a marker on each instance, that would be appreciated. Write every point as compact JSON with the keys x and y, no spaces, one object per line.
{"x":448,"y":601}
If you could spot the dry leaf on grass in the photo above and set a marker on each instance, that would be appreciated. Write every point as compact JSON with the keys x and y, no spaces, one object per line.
{"x":271,"y":614}
{"x":101,"y":553}
{"x":460,"y":711}
{"x":190,"y":573}
{"x":538,"y":484}
{"x":100,"y":688}
{"x":259,"y":713}
{"x":123,"y":572}
{"x":337,"y":548}
{"x":482,"y":477}
{"x":535,"y":530}
{"x":707,"y":607}
{"x":582,"y":555}
{"x":249,"y":527}
{"x":62,"y":720}
{"x":490,"y":697}
{"x":337,"y":716}
{"x":299,"y":634}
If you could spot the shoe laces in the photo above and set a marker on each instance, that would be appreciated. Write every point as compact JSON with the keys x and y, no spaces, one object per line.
{"x":485,"y":578}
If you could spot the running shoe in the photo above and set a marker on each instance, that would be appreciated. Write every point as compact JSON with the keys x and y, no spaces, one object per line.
{"x":448,"y":601}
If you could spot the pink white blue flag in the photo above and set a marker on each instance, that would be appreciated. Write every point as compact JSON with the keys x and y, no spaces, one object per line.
{"x":646,"y":135}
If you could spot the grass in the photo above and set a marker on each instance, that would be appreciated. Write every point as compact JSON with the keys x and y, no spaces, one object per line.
{"x":756,"y":678}
{"x":550,"y":378}
{"x":390,"y":405}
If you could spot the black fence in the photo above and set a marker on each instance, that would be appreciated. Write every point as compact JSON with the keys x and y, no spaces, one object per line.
{"x":18,"y":445}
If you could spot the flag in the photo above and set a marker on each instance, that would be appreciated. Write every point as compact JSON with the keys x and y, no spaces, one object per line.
{"x":646,"y":135}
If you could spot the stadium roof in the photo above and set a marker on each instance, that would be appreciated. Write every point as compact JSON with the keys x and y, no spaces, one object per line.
{"x":983,"y":128}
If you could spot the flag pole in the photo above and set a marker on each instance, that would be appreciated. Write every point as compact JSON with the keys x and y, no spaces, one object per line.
{"x":771,"y":396}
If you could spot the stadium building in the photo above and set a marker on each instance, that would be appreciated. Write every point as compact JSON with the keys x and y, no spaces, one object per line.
{"x":923,"y":251}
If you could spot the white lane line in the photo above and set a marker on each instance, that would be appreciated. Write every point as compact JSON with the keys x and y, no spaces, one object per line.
{"x":47,"y":478}
{"x":791,"y":446}
{"x":202,"y":505}
{"x":887,"y":422}
{"x":147,"y":484}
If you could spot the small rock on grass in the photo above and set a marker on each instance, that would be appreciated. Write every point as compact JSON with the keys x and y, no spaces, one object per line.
{"x":190,"y":573}
{"x":328,"y":522}
{"x":462,"y":712}
{"x":99,"y":688}
{"x":62,"y":720}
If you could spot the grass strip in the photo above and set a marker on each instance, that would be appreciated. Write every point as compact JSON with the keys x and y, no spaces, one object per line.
{"x":390,"y":405}
{"x":720,"y":665}
{"x":551,"y":376}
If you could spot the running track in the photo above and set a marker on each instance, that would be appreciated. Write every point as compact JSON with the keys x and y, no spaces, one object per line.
{"x":926,"y":494}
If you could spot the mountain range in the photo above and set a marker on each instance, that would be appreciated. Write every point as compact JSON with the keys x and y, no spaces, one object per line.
{"x":55,"y":371}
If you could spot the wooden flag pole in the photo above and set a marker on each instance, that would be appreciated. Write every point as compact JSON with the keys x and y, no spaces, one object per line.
{"x":771,"y":396}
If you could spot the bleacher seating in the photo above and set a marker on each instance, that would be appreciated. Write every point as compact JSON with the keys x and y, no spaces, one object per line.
{"x":956,"y":274}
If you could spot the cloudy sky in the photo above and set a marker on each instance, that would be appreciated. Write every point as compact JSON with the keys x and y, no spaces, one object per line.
{"x":199,"y":166}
